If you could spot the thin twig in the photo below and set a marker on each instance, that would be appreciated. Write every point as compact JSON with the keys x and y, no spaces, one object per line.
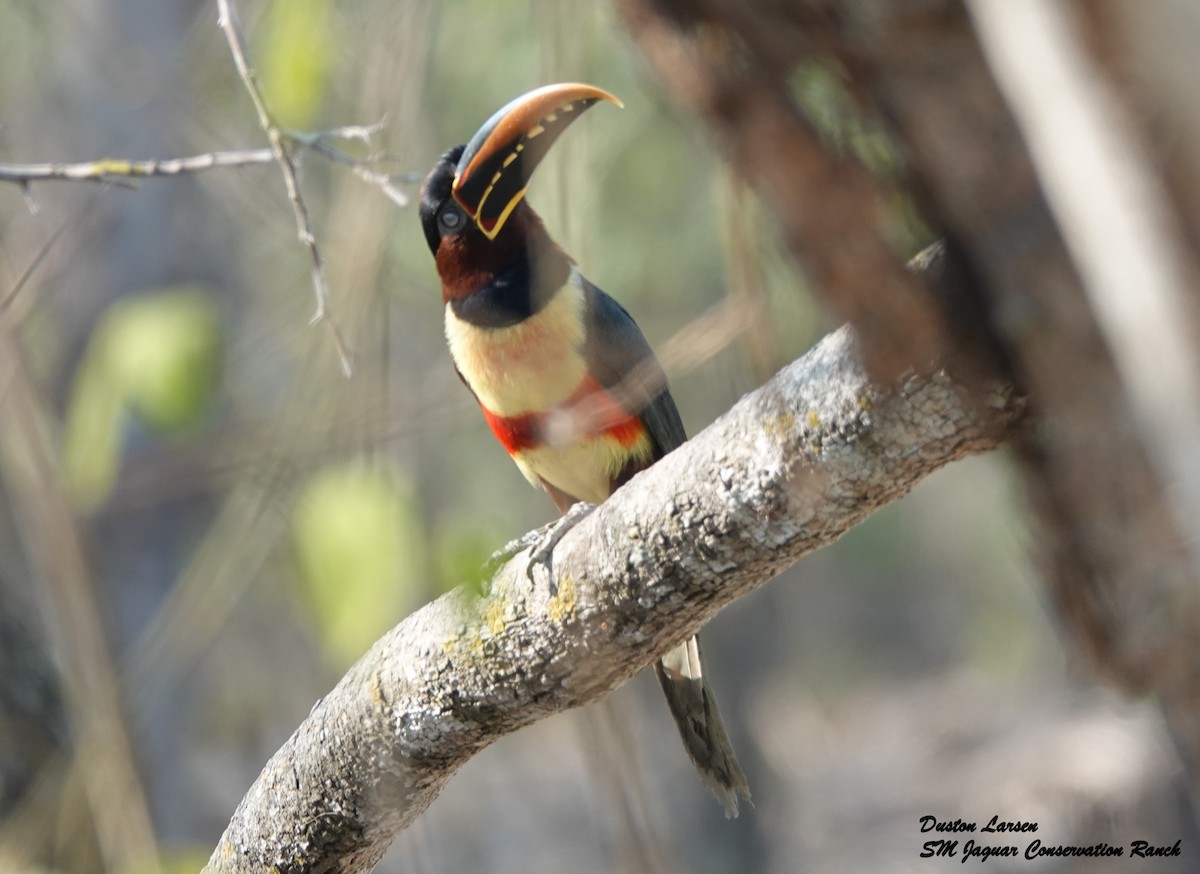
{"x":278,"y":139}
{"x":321,"y":142}
{"x":123,"y":171}
{"x":690,"y":346}
{"x":385,"y":182}
{"x":10,"y":297}
{"x":119,"y":170}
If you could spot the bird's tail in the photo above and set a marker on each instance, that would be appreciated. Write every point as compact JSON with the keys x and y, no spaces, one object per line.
{"x":694,"y":708}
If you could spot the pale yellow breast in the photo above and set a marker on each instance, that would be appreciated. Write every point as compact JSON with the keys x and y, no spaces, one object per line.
{"x":528,"y":367}
{"x":583,"y":470}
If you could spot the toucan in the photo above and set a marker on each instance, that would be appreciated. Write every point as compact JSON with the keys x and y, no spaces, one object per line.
{"x":564,"y":377}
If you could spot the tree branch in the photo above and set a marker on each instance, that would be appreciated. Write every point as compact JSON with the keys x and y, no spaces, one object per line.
{"x":827,"y":209}
{"x":1109,"y":468}
{"x":789,"y":469}
{"x":277,"y":138}
{"x":123,"y":170}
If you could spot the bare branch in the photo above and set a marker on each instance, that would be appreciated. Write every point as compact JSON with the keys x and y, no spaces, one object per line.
{"x":1114,"y":217}
{"x":237,"y":46}
{"x":122,"y":171}
{"x":827,"y":209}
{"x":1021,"y":286}
{"x":119,"y":170}
{"x":319,"y":142}
{"x":789,"y":469}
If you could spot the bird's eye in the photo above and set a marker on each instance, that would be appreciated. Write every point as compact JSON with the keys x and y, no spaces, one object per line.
{"x":451,"y":218}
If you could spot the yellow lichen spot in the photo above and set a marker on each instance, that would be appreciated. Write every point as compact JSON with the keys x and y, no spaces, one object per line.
{"x":779,"y":426}
{"x":562,"y":605}
{"x":813,"y":420}
{"x":495,"y":617}
{"x":113,"y":167}
{"x":377,"y":690}
{"x":468,"y":644}
{"x":864,"y":402}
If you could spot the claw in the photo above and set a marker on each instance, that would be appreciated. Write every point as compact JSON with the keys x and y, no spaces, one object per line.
{"x":540,"y":543}
{"x":513,"y":548}
{"x":548,"y":538}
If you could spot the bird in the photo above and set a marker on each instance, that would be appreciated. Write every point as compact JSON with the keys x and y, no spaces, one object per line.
{"x":565,"y":379}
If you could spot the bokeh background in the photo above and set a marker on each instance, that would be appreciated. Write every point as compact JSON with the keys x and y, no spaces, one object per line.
{"x":203,"y":523}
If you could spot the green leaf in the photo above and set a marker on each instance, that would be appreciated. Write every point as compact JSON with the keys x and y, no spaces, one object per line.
{"x":358,"y":543}
{"x":162,"y":351}
{"x":461,"y":554}
{"x":155,"y":354}
{"x":295,"y":57}
{"x":92,"y":433}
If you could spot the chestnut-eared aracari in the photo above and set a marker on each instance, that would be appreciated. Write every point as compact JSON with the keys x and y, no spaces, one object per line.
{"x":563,"y":375}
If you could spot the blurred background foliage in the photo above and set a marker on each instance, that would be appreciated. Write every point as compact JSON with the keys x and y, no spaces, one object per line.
{"x":243,"y":522}
{"x":152,"y":356}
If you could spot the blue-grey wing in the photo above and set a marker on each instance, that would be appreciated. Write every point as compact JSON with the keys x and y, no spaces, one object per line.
{"x":619,"y":357}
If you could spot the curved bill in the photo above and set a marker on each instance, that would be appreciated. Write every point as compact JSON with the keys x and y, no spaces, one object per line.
{"x":494,"y":170}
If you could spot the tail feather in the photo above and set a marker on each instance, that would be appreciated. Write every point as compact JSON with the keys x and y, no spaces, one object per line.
{"x":694,"y":708}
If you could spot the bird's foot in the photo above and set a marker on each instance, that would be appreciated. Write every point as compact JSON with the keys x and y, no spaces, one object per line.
{"x":527,"y":541}
{"x":540,"y":543}
{"x":548,"y":538}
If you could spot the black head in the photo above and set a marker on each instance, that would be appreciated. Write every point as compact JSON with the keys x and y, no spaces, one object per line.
{"x":441,"y":216}
{"x":492,"y":281}
{"x":487,"y":177}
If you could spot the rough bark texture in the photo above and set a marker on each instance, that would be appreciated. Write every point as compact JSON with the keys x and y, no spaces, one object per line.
{"x":789,"y":469}
{"x":829,"y":208}
{"x":1144,"y":60}
{"x":1115,"y":551}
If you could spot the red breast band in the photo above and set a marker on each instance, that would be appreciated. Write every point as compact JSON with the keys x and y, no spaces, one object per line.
{"x":515,"y":433}
{"x":518,"y":433}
